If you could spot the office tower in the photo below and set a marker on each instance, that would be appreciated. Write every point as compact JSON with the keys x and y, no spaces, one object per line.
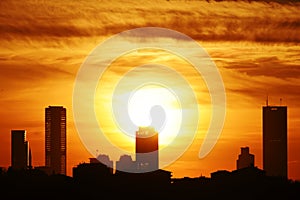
{"x":245,"y":159}
{"x":19,"y":149}
{"x":55,"y":141}
{"x":146,"y":149}
{"x":275,"y":140}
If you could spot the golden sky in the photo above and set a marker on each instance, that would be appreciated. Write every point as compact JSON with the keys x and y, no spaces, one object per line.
{"x":255,"y":47}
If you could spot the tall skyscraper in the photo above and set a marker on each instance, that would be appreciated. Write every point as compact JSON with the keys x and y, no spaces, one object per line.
{"x":55,"y":141}
{"x":146,"y":149}
{"x":19,"y":149}
{"x":245,"y":159}
{"x":275,"y":140}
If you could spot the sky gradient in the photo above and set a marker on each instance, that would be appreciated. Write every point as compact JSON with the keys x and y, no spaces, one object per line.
{"x":254,"y":45}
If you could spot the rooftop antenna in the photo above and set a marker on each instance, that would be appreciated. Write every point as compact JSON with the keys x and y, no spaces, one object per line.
{"x":267,"y":100}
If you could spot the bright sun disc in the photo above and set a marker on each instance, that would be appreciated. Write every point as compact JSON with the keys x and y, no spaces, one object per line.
{"x":166,"y":121}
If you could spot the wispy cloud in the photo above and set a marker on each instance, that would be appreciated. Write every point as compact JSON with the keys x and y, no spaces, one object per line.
{"x":229,"y":21}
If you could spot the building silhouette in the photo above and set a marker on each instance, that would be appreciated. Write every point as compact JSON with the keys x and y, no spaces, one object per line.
{"x":125,"y":164}
{"x":275,"y":140}
{"x":245,"y":159}
{"x":55,"y":141}
{"x":44,"y":169}
{"x":104,"y":159}
{"x":19,"y":149}
{"x":146,"y":149}
{"x":93,"y":172}
{"x":29,"y":159}
{"x":94,"y":160}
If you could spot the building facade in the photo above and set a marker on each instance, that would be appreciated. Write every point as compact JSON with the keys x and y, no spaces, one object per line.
{"x":275,"y":140}
{"x":19,"y":149}
{"x":55,"y":141}
{"x":146,"y":149}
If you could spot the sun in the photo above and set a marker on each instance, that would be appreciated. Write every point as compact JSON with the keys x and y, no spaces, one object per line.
{"x":157,"y":106}
{"x":151,"y":104}
{"x":153,"y":92}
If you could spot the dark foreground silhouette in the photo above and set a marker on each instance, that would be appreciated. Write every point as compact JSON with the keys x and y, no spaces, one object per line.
{"x":247,"y":183}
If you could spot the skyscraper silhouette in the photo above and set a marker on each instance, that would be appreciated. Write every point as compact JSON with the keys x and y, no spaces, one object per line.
{"x":146,"y":149}
{"x":55,"y":141}
{"x":275,"y":140}
{"x":19,"y":149}
{"x":245,"y":159}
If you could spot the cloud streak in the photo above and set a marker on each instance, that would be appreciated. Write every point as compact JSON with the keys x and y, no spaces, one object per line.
{"x":215,"y":21}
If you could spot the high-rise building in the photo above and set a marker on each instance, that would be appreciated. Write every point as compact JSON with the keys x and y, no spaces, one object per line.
{"x":19,"y":149}
{"x":275,"y":140}
{"x":245,"y":159}
{"x":146,"y":149}
{"x":55,"y":141}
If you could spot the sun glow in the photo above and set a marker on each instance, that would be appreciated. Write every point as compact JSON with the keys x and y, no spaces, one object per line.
{"x":155,"y":105}
{"x":158,"y":94}
{"x":149,"y":105}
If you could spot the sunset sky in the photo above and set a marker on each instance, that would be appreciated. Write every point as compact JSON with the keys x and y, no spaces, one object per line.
{"x":255,"y":47}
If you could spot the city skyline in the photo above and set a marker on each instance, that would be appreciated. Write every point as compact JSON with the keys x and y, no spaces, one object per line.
{"x":59,"y":112}
{"x":254,"y":45}
{"x":97,"y":178}
{"x":147,"y":147}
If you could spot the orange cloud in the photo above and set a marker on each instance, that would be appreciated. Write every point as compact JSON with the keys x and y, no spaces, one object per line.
{"x":201,"y":20}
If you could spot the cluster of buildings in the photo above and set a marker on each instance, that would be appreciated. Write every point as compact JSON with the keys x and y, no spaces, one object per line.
{"x":55,"y":148}
{"x":146,"y":148}
{"x":274,"y":143}
{"x":146,"y":154}
{"x":274,"y":151}
{"x":55,"y":144}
